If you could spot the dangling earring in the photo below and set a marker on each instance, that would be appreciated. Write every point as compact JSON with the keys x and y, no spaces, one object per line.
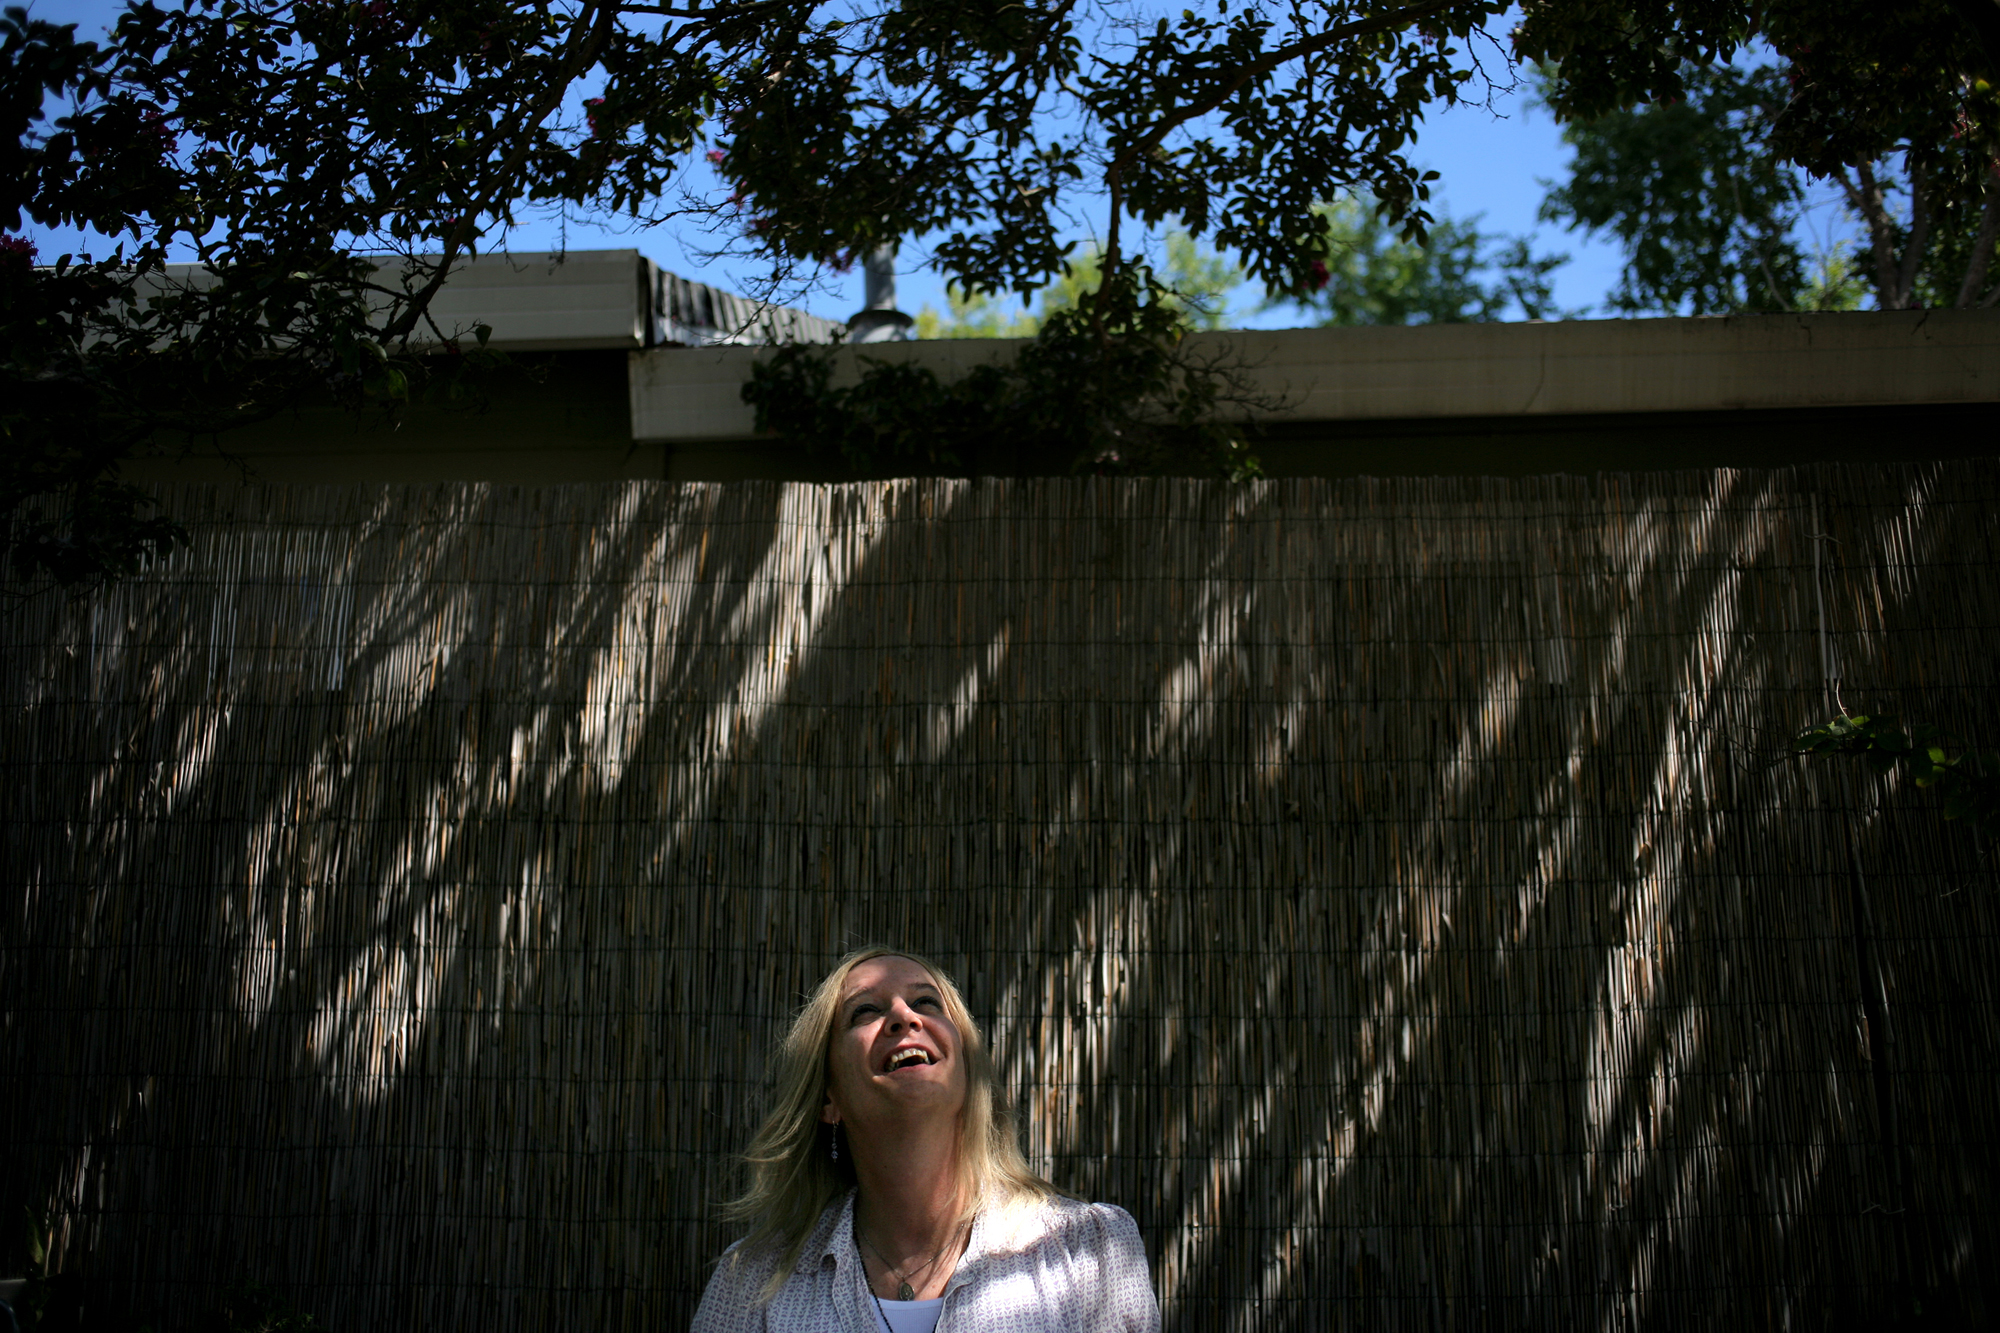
{"x":833,"y":1139}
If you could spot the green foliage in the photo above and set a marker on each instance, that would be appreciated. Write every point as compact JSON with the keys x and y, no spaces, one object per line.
{"x":283,"y":143}
{"x":47,"y":1299}
{"x":1228,"y":122}
{"x":273,"y":141}
{"x":35,"y":1293}
{"x":1969,"y":781}
{"x":1896,"y":104}
{"x":1706,"y":207}
{"x":975,"y":317}
{"x":1371,"y":276}
{"x":1833,"y":281}
{"x":1200,"y":281}
{"x":1695,"y":194}
{"x":1197,"y":284}
{"x":1957,"y":240}
{"x":1861,"y":77}
{"x":1124,"y":395}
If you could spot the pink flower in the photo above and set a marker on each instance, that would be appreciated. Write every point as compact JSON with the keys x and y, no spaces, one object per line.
{"x":716,"y":155}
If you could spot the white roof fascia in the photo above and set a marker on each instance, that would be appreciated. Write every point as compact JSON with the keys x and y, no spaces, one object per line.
{"x":1575,"y":367}
{"x":586,"y":299}
{"x":549,"y":302}
{"x":1745,"y":362}
{"x":696,"y":393}
{"x":533,"y":302}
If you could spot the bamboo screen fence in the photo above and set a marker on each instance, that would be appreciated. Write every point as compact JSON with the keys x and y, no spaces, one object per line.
{"x":1397,"y":894}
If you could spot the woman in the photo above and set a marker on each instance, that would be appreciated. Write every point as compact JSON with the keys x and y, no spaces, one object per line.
{"x":888,"y":1194}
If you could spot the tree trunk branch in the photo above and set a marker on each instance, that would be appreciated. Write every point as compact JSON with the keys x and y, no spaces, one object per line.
{"x":1982,"y":251}
{"x":1867,"y":201}
{"x":515,"y":131}
{"x":1920,"y":231}
{"x":1283,"y":55}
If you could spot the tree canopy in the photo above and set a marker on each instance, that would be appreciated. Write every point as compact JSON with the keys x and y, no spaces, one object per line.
{"x":291,"y":144}
{"x":1457,"y":274}
{"x":1705,"y":211}
{"x":1709,"y":211}
{"x":1696,"y":126}
{"x":1197,"y":283}
{"x":329,"y":163}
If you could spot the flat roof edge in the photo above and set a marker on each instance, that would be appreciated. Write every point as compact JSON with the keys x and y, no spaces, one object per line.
{"x":1467,"y":371}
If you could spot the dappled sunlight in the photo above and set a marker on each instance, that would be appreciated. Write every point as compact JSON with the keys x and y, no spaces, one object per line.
{"x":1397,"y":893}
{"x":949,"y":719}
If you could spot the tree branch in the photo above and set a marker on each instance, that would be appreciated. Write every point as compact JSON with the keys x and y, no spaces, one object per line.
{"x":1867,"y":201}
{"x":581,"y":57}
{"x":1107,"y":264}
{"x":1283,"y":55}
{"x":1982,"y":251}
{"x":1763,"y":250}
{"x":1920,"y":230}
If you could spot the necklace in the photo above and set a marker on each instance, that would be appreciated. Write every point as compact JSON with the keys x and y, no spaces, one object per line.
{"x":904,"y":1290}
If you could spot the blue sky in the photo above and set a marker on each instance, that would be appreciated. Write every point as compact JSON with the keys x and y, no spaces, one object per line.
{"x":1493,"y":161}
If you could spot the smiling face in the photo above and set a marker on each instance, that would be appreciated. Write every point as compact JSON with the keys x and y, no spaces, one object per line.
{"x":893,"y":1053}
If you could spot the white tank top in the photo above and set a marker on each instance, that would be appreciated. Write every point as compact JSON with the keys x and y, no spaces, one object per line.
{"x":909,"y":1316}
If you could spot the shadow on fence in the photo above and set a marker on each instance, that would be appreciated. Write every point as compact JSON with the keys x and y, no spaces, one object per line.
{"x":1397,"y":894}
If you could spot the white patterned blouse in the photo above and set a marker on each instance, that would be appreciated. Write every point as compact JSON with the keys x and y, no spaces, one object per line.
{"x":1059,"y":1267}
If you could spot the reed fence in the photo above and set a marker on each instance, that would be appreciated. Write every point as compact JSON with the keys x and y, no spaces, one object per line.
{"x":1397,"y":894}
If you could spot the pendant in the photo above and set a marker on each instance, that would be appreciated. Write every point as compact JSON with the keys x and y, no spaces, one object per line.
{"x":904,"y":1293}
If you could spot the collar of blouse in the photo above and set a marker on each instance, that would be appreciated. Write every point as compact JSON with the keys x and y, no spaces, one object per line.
{"x":838,"y":1249}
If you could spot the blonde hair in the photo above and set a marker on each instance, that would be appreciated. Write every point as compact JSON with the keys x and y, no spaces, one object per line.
{"x":792,"y":1179}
